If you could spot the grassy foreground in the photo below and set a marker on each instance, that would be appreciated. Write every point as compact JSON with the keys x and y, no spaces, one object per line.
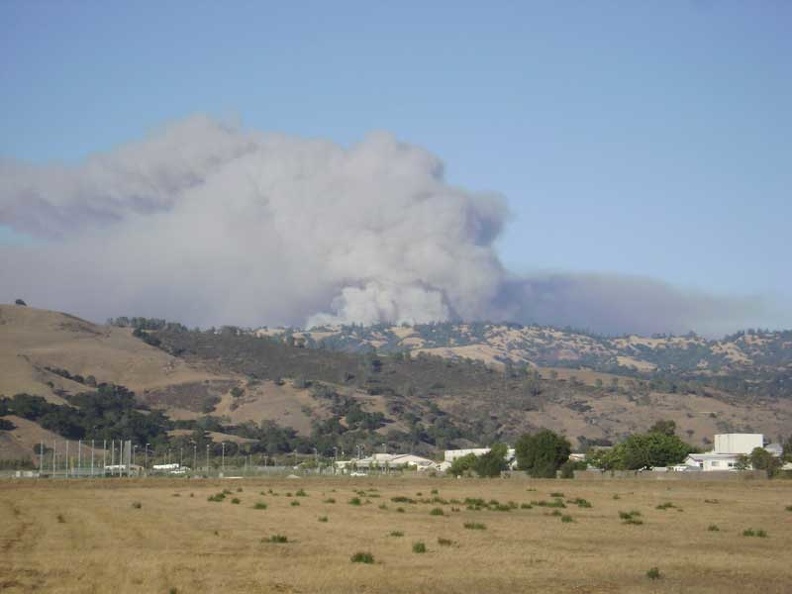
{"x":299,"y":535}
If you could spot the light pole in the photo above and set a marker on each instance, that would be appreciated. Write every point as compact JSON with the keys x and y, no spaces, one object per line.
{"x":335,"y":459}
{"x":147,"y":447}
{"x":207,"y":459}
{"x":222,"y":459}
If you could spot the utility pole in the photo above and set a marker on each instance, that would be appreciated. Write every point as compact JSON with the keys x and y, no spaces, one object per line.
{"x":222,"y":459}
{"x":207,"y":459}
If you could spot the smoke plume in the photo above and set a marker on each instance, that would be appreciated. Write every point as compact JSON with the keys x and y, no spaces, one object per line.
{"x":210,"y":224}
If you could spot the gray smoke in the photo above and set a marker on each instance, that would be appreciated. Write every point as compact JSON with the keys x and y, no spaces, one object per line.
{"x":209,"y":224}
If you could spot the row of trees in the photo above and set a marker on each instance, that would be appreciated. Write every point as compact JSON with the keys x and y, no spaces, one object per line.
{"x":544,"y":453}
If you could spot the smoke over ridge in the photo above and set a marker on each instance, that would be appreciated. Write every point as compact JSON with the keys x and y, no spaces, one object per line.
{"x":210,"y":224}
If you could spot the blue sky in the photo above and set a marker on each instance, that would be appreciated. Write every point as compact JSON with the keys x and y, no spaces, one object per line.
{"x":634,"y":138}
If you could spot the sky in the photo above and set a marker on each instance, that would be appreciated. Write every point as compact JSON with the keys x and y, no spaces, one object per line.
{"x":613,"y":166}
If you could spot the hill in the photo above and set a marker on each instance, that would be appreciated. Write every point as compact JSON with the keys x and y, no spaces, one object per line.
{"x":419,"y":388}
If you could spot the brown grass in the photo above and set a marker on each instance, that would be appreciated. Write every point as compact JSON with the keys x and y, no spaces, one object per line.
{"x":89,"y":537}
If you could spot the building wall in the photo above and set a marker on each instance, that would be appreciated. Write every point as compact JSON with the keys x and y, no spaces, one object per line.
{"x":738,"y":443}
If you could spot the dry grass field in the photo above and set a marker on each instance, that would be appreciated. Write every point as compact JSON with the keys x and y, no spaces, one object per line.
{"x":132,"y":535}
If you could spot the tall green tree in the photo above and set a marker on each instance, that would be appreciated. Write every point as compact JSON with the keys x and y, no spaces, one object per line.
{"x":642,"y":450}
{"x":542,"y":454}
{"x":493,"y":462}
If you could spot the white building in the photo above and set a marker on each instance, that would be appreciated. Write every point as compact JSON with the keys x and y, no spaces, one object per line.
{"x":728,"y":449}
{"x":738,"y":443}
{"x":451,"y":455}
{"x":712,"y":462}
{"x":389,"y":461}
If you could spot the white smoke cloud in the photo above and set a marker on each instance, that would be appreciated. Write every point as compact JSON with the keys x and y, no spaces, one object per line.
{"x":209,"y":224}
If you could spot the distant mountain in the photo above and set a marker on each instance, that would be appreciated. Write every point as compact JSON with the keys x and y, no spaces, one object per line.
{"x":754,"y":362}
{"x":420,"y":388}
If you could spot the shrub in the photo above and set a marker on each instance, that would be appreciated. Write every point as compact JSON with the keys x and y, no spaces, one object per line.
{"x":400,"y":510}
{"x":236,"y":501}
{"x":402,"y":499}
{"x":301,"y":493}
{"x":137,"y":504}
{"x":436,"y":511}
{"x":329,"y":500}
{"x":580,"y":502}
{"x":761,"y":533}
{"x":712,"y":501}
{"x":294,"y":503}
{"x":444,"y":542}
{"x":323,"y":518}
{"x":362,"y":558}
{"x":566,"y":519}
{"x":419,"y":547}
{"x":713,"y":528}
{"x":396,"y":533}
{"x":749,"y":532}
{"x":260,"y":505}
{"x":475,"y":526}
{"x":278,"y":538}
{"x":62,"y":520}
{"x":788,"y":508}
{"x":556,"y":494}
{"x":653,"y":573}
{"x":631,"y":517}
{"x":355,"y":501}
{"x":666,"y":505}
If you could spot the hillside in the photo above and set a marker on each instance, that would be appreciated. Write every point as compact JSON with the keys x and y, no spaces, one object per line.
{"x":420,"y":388}
{"x":752,"y":363}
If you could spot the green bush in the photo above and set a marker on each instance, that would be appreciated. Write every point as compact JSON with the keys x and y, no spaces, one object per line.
{"x":294,"y":503}
{"x":631,"y":517}
{"x":436,"y":511}
{"x":137,"y":504}
{"x":566,"y":519}
{"x":362,"y":558}
{"x":396,"y":533}
{"x":260,"y":505}
{"x":475,"y":526}
{"x":653,"y":573}
{"x":713,"y":528}
{"x":323,"y":518}
{"x":278,"y":538}
{"x":236,"y":501}
{"x":419,"y":547}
